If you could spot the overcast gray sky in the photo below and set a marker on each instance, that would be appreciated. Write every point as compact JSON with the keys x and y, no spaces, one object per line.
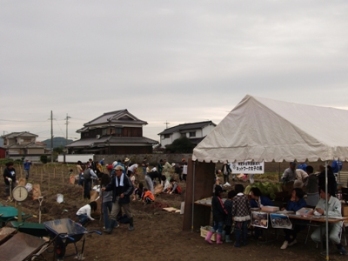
{"x":175,"y":61}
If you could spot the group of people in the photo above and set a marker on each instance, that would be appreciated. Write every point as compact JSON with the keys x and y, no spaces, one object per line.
{"x":118,"y":186}
{"x":236,"y":209}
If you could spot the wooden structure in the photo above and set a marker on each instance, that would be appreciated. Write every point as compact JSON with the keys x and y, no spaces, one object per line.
{"x":199,"y":184}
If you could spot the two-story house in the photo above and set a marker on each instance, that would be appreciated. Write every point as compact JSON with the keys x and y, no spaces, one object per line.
{"x":116,"y":132}
{"x":195,"y":132}
{"x":23,"y":144}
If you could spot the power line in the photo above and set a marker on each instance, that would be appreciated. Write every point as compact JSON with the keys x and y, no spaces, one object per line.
{"x":21,"y":121}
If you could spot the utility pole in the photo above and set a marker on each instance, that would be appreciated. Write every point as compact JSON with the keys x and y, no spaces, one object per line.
{"x":166,"y":123}
{"x":67,"y":123}
{"x":51,"y":137}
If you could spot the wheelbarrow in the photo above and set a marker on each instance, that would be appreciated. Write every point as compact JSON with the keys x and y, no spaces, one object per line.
{"x":34,"y":229}
{"x":6,"y":233}
{"x":9,"y":213}
{"x":65,"y":231}
{"x":22,"y":247}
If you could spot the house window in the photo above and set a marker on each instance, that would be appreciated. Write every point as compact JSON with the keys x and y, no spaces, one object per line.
{"x":192,"y":134}
{"x":166,"y":136}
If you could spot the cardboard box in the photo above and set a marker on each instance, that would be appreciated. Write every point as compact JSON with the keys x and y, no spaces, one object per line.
{"x":205,"y":230}
{"x":344,"y":210}
{"x":269,"y":209}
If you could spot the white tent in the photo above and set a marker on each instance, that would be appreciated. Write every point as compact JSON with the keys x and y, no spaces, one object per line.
{"x":262,"y":129}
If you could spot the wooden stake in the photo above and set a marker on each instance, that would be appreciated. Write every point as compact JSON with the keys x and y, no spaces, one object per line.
{"x":41,"y":178}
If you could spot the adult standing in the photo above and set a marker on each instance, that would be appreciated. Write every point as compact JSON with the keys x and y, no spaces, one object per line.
{"x":26,"y":166}
{"x":88,"y":175}
{"x":184,"y":169}
{"x":9,"y":178}
{"x":289,"y":173}
{"x":122,"y":189}
{"x":160,"y":166}
{"x":226,"y":171}
{"x":312,"y":187}
{"x":79,"y":172}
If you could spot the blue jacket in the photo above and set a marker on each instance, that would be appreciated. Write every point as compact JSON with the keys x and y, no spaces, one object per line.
{"x":296,"y":205}
{"x":265,"y":201}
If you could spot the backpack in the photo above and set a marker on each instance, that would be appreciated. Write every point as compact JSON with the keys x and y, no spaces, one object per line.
{"x":87,"y":174}
{"x":178,"y":189}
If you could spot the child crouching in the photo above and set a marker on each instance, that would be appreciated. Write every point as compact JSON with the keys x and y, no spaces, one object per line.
{"x":148,"y":197}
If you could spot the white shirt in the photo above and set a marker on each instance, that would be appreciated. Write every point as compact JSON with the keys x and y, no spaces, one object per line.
{"x":301,"y":175}
{"x":86,"y":209}
{"x":133,"y":168}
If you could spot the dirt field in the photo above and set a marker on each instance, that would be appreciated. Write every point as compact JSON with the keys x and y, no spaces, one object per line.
{"x":158,"y":234}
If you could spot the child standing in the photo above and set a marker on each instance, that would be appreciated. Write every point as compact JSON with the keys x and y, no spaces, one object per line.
{"x":228,"y":223}
{"x":219,"y":216}
{"x":241,"y":215}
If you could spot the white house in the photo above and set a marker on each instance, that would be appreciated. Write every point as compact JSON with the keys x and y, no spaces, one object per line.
{"x":195,"y":132}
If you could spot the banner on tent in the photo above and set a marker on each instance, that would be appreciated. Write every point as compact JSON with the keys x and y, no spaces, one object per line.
{"x":248,"y":167}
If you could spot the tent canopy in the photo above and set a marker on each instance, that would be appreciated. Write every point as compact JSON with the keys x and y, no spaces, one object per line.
{"x":267,"y":130}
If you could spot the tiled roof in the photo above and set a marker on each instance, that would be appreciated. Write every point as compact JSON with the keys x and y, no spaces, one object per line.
{"x":120,"y":116}
{"x":17,"y":134}
{"x":112,"y":141}
{"x":187,"y":126}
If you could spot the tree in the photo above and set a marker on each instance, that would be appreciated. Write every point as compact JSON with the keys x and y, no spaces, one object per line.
{"x":181,"y":145}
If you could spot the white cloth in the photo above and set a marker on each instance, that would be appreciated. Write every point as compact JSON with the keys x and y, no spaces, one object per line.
{"x":121,"y":181}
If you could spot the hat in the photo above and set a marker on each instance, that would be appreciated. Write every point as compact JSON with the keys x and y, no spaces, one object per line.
{"x":126,"y":160}
{"x":119,"y":167}
{"x":114,"y":164}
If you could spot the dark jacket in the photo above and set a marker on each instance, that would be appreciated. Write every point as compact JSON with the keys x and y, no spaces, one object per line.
{"x":218,"y":209}
{"x":331,"y":182}
{"x":265,"y":201}
{"x":228,"y":206}
{"x":9,"y":173}
{"x":296,"y":205}
{"x":126,"y":189}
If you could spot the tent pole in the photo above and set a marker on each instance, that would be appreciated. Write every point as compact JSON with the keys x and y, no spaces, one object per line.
{"x":193,"y":193}
{"x":326,"y":215}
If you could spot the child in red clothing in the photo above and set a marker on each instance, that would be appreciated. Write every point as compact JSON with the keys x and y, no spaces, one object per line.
{"x":148,"y":197}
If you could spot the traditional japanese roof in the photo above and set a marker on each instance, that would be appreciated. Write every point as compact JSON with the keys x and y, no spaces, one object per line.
{"x":19,"y":134}
{"x":114,"y":118}
{"x":112,"y":141}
